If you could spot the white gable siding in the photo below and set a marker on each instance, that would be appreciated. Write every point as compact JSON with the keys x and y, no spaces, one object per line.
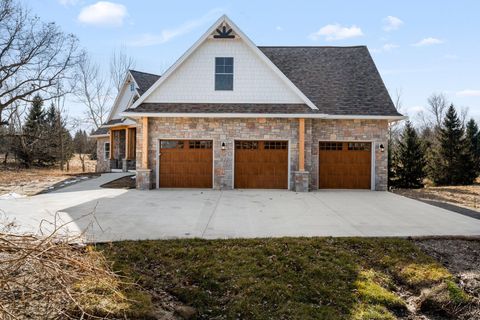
{"x":194,"y":80}
{"x":123,"y":101}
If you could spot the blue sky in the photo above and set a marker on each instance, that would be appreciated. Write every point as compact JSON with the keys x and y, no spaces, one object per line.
{"x":419,"y":47}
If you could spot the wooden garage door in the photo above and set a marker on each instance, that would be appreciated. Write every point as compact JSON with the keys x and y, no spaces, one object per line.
{"x":261,"y":164}
{"x":345,"y":165}
{"x":185,"y":164}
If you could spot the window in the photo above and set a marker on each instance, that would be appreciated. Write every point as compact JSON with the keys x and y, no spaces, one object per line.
{"x":331,"y":146}
{"x":223,"y":73}
{"x":200,"y":144}
{"x":132,"y":86}
{"x":361,"y":146}
{"x":106,"y":150}
{"x":246,"y":145}
{"x":275,"y":145}
{"x":171,"y":144}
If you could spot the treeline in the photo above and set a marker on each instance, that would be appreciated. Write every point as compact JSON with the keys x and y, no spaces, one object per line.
{"x":42,"y":139}
{"x":446,"y":151}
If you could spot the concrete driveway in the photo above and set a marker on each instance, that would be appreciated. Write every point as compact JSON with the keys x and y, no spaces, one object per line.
{"x":115,"y":214}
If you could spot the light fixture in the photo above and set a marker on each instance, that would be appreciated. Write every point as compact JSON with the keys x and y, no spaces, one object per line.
{"x":223,"y":145}
{"x":382,"y":148}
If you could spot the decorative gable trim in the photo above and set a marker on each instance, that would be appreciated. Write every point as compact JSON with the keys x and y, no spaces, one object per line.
{"x":224,"y":20}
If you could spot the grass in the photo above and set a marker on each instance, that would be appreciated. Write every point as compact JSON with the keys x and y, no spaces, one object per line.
{"x":288,"y":278}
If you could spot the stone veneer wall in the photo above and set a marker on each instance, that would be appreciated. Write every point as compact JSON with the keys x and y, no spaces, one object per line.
{"x":102,"y":164}
{"x":229,"y":130}
{"x":220,"y":130}
{"x":351,"y":130}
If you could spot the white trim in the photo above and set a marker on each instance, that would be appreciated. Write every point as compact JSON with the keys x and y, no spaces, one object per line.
{"x":157,"y":166}
{"x":120,"y":93}
{"x":99,"y":135}
{"x":250,"y":44}
{"x":258,"y":115}
{"x":372,"y":161}
{"x":273,"y":139}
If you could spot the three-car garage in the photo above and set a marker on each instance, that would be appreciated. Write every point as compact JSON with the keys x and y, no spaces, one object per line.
{"x":262,"y":164}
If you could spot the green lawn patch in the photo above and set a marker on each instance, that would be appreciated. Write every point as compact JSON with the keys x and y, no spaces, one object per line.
{"x":286,"y":278}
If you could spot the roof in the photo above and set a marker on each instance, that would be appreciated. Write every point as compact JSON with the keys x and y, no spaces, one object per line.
{"x":144,"y":80}
{"x":221,"y":108}
{"x":102,"y":131}
{"x":113,"y":122}
{"x":338,"y":80}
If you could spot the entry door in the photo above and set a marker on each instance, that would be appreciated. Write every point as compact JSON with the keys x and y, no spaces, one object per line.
{"x":345,"y":165}
{"x":185,"y":164}
{"x":261,"y":164}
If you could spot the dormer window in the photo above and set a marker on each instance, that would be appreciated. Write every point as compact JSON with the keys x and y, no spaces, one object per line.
{"x":223,"y":73}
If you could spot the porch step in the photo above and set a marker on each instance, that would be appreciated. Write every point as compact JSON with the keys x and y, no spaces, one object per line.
{"x":116,"y":170}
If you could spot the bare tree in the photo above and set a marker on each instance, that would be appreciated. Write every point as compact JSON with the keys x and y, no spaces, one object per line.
{"x":34,"y":56}
{"x":93,"y":90}
{"x":437,"y":106}
{"x":120,"y":63}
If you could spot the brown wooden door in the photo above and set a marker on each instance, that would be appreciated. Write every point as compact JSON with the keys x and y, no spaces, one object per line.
{"x":345,"y":165}
{"x":185,"y":164}
{"x":261,"y":164}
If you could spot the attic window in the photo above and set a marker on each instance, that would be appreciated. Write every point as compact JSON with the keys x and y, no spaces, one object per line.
{"x":132,"y":86}
{"x":223,"y":73}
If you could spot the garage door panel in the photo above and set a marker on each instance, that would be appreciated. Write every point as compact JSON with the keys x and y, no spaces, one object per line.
{"x":261,"y":164}
{"x":344,"y":165}
{"x":185,"y":164}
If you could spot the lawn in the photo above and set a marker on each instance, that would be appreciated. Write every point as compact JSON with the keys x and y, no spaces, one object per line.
{"x":289,"y":278}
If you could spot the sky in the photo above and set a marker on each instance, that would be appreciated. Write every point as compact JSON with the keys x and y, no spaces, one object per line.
{"x":419,"y":47}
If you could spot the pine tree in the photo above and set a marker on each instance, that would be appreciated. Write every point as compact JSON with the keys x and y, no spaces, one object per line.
{"x":29,"y":145}
{"x":409,"y":159}
{"x":453,"y":163}
{"x":473,"y":136}
{"x":81,"y":146}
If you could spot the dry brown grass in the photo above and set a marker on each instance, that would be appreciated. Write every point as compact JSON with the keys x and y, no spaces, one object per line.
{"x":34,"y":180}
{"x":466,"y":196}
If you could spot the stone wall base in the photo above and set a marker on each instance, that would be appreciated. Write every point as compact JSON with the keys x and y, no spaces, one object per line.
{"x":144,"y":179}
{"x":302,"y":179}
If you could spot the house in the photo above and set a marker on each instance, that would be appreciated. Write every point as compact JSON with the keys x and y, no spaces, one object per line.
{"x":229,"y":114}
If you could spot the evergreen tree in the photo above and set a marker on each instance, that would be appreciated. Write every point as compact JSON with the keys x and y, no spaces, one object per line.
{"x":409,"y":159}
{"x":473,"y":136}
{"x":453,"y":163}
{"x":29,"y":147}
{"x":81,"y":146}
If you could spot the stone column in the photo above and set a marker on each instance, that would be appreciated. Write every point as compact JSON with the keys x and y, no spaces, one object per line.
{"x":301,"y":176}
{"x":144,"y":174}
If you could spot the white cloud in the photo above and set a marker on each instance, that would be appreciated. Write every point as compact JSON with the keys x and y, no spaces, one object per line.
{"x":103,"y":13}
{"x":278,"y":28}
{"x":333,"y":32}
{"x":389,"y":46}
{"x":149,"y":39}
{"x":391,"y":23}
{"x":68,"y":2}
{"x":469,"y":93}
{"x":428,"y":42}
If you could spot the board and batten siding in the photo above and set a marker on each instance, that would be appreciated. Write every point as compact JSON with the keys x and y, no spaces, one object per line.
{"x":194,"y":80}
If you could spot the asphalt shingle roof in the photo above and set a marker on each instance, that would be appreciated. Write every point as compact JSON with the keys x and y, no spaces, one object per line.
{"x":338,"y":80}
{"x":100,"y":131}
{"x":144,"y":80}
{"x":221,"y":108}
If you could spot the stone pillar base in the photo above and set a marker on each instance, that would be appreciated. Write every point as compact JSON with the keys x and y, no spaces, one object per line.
{"x":302,"y":179}
{"x":144,"y":179}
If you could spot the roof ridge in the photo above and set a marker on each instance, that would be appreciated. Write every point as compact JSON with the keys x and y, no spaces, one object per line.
{"x":153,"y":74}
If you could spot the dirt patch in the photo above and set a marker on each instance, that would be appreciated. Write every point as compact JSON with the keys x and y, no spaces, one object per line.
{"x":36,"y":180}
{"x":462,"y":259}
{"x":127,"y":182}
{"x":464,"y":196}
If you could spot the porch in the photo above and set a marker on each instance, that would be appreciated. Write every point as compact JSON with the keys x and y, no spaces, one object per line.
{"x":122,"y":148}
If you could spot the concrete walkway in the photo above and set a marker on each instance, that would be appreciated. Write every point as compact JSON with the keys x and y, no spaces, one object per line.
{"x":116,"y":214}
